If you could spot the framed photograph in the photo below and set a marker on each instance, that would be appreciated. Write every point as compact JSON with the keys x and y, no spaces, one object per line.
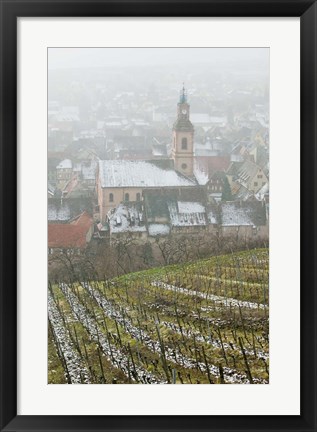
{"x":158,"y":207}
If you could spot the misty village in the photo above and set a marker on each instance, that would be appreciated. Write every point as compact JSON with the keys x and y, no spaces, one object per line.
{"x":158,"y":216}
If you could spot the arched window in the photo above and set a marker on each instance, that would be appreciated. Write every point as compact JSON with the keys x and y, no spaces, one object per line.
{"x":184,"y":166}
{"x":184,"y":143}
{"x":126,"y":197}
{"x":111,"y":197}
{"x":138,"y":196}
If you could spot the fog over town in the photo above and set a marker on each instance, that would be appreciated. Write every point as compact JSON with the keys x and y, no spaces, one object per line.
{"x":158,"y":188}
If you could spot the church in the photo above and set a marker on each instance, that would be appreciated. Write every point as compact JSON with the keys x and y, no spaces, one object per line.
{"x":122,"y":181}
{"x":149,"y":198}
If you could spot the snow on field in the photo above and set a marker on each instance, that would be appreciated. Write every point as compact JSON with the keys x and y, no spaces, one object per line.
{"x":77,"y":371}
{"x":212,"y":341}
{"x":115,"y":356}
{"x":172,"y":355}
{"x":226,"y":301}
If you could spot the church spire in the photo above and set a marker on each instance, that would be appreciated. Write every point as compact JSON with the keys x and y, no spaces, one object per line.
{"x":183,"y":138}
{"x":183,"y":95}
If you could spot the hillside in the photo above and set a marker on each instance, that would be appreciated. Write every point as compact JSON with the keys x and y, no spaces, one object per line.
{"x":203,"y":322}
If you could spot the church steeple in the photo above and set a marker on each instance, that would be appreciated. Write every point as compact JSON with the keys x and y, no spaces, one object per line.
{"x":183,"y":95}
{"x":182,"y":121}
{"x":183,"y":137}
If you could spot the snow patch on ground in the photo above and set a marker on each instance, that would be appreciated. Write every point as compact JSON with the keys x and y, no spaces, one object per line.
{"x":77,"y":371}
{"x":226,"y":301}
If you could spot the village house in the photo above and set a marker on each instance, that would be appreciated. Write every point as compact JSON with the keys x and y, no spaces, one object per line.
{"x":244,"y":220}
{"x":71,"y":238}
{"x":60,"y":210}
{"x":215,"y":186}
{"x":248,"y":175}
{"x":64,"y":172}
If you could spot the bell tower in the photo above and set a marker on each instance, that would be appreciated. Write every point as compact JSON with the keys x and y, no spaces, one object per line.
{"x":183,"y":138}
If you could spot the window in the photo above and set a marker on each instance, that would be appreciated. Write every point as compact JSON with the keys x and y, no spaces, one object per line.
{"x":184,"y":166}
{"x":255,"y":183}
{"x":126,"y":197}
{"x":184,"y":143}
{"x":111,"y":197}
{"x":138,"y":196}
{"x":260,"y":176}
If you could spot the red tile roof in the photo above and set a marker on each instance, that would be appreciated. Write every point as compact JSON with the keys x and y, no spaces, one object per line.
{"x":72,"y":235}
{"x":84,"y":219}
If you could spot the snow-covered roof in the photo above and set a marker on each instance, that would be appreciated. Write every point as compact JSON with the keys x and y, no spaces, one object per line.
{"x":263,"y":191}
{"x":158,"y":229}
{"x":197,"y":118}
{"x":66,"y":163}
{"x":201,"y":176}
{"x":58,"y":213}
{"x":123,"y":173}
{"x":190,"y":207}
{"x":185,"y":213}
{"x":126,"y":219}
{"x":234,"y":215}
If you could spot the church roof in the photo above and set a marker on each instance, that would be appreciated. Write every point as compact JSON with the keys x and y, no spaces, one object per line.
{"x":114,"y":173}
{"x":66,"y":163}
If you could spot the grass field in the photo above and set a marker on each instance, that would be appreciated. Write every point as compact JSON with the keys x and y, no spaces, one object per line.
{"x":205,"y":322}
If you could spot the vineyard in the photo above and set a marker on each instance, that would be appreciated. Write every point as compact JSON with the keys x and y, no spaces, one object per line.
{"x":205,"y":322}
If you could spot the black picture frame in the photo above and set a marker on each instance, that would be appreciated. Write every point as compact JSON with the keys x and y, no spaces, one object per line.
{"x":10,"y":11}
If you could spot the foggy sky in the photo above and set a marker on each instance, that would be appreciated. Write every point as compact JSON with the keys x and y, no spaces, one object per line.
{"x":73,"y":58}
